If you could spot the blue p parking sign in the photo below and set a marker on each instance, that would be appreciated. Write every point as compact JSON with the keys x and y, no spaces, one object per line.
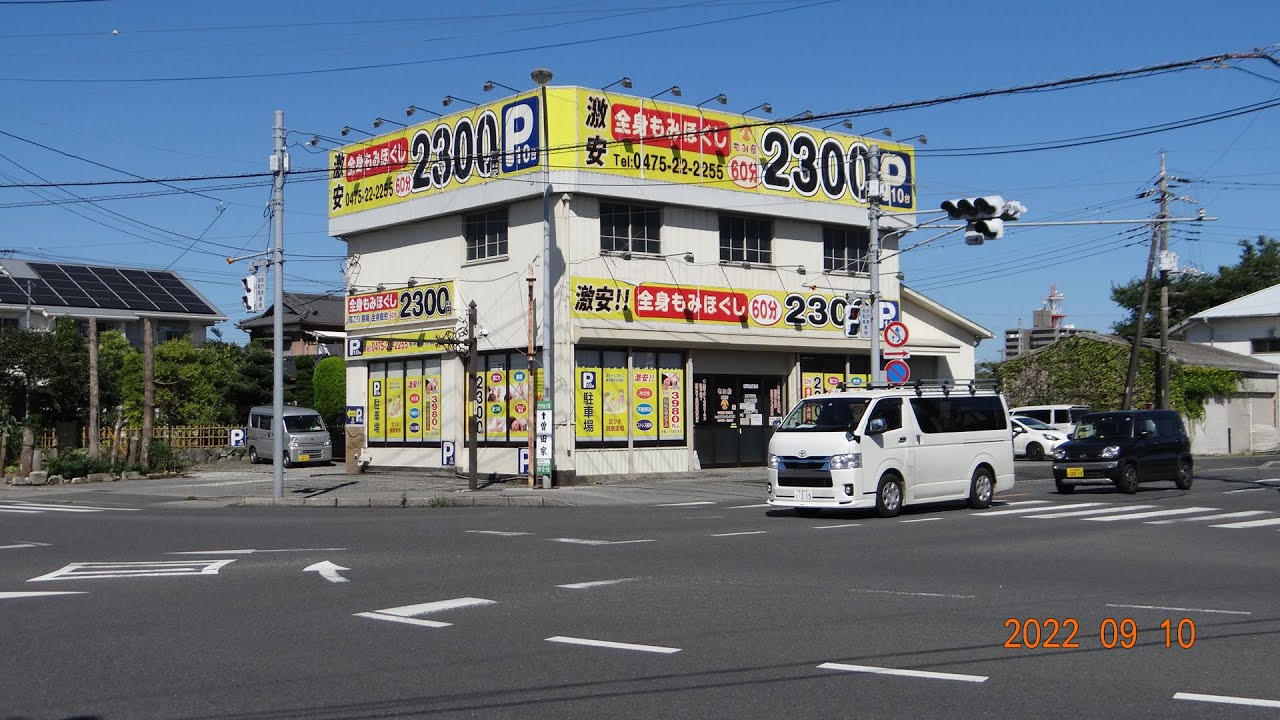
{"x":236,"y":437}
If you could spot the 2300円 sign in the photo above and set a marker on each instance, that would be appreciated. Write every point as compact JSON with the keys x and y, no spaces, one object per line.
{"x":404,"y":305}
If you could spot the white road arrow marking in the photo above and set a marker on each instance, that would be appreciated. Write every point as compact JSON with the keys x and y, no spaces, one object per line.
{"x":407,"y":613}
{"x":12,"y":595}
{"x":328,"y":571}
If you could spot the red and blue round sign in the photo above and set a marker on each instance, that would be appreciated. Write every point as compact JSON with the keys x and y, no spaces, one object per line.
{"x":897,"y":372}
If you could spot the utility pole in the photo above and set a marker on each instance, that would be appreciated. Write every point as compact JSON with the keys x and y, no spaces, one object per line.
{"x":279,"y":165}
{"x":148,"y":391}
{"x":1131,"y":379}
{"x":1162,"y":396}
{"x":477,"y":399}
{"x":873,"y":249}
{"x":533,"y":377}
{"x":95,"y":439}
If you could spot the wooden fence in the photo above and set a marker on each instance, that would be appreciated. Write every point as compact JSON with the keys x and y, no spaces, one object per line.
{"x":180,"y":437}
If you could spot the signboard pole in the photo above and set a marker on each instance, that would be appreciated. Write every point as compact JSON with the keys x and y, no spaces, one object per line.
{"x":473,"y":426}
{"x":532,"y":358}
{"x":542,"y":77}
{"x":873,"y":250}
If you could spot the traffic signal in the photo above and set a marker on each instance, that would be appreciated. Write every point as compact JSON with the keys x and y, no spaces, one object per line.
{"x":250,"y":297}
{"x":984,"y":216}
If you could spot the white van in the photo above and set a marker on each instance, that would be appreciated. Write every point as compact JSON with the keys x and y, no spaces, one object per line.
{"x":306,"y":439}
{"x":888,"y":447}
{"x":1062,"y":417}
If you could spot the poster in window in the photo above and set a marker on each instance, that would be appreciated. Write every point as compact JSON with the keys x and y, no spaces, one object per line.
{"x":395,"y":405}
{"x":811,"y":384}
{"x":615,"y":403}
{"x":672,"y":426}
{"x":587,"y":407}
{"x":414,"y":405}
{"x":376,"y":420}
{"x":495,"y":408}
{"x":644,"y":404}
{"x":723,"y":409}
{"x":431,"y":401}
{"x":857,"y":380}
{"x":518,"y":406}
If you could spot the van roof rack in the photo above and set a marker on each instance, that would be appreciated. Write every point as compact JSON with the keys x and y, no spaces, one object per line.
{"x":946,"y":385}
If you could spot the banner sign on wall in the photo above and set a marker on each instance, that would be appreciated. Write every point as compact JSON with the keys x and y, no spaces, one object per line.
{"x":404,"y":305}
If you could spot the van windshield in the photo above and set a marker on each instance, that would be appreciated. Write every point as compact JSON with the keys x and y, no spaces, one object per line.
{"x":303,"y":423}
{"x":825,"y":414}
{"x":1103,"y":427}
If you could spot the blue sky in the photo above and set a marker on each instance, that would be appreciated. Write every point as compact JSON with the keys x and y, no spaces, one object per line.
{"x":70,"y":83}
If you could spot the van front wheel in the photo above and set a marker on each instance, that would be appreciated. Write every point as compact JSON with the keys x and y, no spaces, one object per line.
{"x":981,"y":489}
{"x":889,"y":497}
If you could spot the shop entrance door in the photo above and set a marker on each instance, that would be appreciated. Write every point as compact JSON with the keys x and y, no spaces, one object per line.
{"x":731,"y":418}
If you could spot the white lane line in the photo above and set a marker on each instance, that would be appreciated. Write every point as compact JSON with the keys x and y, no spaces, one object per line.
{"x":734,"y":534}
{"x":1094,"y":511}
{"x":1023,"y":502}
{"x":594,"y":583}
{"x":1223,"y":516}
{"x":436,"y":606}
{"x":69,"y":508}
{"x":829,"y":527}
{"x":743,"y":507}
{"x":687,"y":504}
{"x":1228,"y":492}
{"x":31,"y":507}
{"x":501,"y":533}
{"x":1250,"y":523}
{"x":1269,"y":480}
{"x":14,"y":595}
{"x":704,"y":517}
{"x":220,"y":484}
{"x":582,"y":541}
{"x":905,"y":673}
{"x":1153,"y":513}
{"x":914,"y":594}
{"x":15,"y":547}
{"x":251,"y":551}
{"x":613,"y":645}
{"x":405,"y":620}
{"x":1071,"y":506}
{"x":1181,"y":609}
{"x":1227,"y":699}
{"x":23,"y":512}
{"x":919,"y":520}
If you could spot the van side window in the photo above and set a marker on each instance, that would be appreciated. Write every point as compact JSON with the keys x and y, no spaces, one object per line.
{"x":891,"y":410}
{"x":255,"y":421}
{"x":960,"y":414}
{"x":1044,"y":416}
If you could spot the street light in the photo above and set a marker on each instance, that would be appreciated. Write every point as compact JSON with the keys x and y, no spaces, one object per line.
{"x":688,"y":256}
{"x":448,"y":100}
{"x":806,"y":115}
{"x":848,"y":124}
{"x":413,"y":280}
{"x":489,"y":85}
{"x":674,"y":90}
{"x":409,"y":111}
{"x":721,"y":98}
{"x":347,"y":130}
{"x":624,"y":82}
{"x":762,"y":106}
{"x":924,"y":140}
{"x":378,"y":121}
{"x":887,"y":132}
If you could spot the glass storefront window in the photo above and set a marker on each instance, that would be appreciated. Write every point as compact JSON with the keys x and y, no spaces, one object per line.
{"x":644,"y":405}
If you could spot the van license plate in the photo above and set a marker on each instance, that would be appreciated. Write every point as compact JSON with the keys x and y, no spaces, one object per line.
{"x":1075,"y":472}
{"x":804,"y":494}
{"x":304,"y":458}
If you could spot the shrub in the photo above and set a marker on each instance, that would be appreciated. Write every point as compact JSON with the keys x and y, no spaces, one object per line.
{"x":76,"y":463}
{"x":165,"y":459}
{"x":329,"y":381}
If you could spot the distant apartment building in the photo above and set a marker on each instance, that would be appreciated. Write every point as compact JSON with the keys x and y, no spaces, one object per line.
{"x":1046,"y":327}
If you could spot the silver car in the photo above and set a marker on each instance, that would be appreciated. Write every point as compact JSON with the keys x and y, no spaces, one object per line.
{"x":306,"y":439}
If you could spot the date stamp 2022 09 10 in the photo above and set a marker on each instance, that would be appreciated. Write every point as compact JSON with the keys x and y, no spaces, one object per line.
{"x":1034,"y":633}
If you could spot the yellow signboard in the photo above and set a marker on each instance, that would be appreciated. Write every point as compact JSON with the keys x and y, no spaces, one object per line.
{"x":395,"y":407}
{"x":418,"y":343}
{"x":644,"y":403}
{"x":376,"y":403}
{"x":518,"y":405}
{"x":478,"y":145}
{"x":642,"y":138}
{"x":671,"y":424}
{"x":397,"y":306}
{"x":587,"y":385}
{"x":608,"y":299}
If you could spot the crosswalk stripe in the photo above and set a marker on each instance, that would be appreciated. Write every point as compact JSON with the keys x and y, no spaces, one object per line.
{"x":1095,"y":511}
{"x":989,"y":513}
{"x":1223,"y":516}
{"x":1251,"y":523}
{"x":1153,"y":513}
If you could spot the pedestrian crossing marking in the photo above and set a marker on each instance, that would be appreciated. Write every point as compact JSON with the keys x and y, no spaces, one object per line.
{"x":1153,"y":513}
{"x":1094,"y":511}
{"x":1223,"y":516}
{"x":1250,"y":523}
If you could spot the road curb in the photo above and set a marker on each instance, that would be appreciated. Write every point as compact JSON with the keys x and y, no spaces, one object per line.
{"x":436,"y":501}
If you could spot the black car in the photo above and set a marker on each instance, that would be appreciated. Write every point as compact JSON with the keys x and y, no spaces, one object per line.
{"x":1126,"y":447}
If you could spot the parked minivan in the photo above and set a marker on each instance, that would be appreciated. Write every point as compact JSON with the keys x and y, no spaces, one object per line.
{"x":306,"y":439}
{"x":1126,"y":447}
{"x":1062,"y":417}
{"x":885,"y":448}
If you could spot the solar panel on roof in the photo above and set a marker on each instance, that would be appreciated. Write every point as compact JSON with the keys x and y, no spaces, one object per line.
{"x":104,"y":287}
{"x":11,"y":292}
{"x":183,"y":294}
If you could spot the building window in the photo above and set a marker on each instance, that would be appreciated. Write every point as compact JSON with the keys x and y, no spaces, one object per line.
{"x":486,"y":234}
{"x":746,"y":239}
{"x":503,"y":398}
{"x":630,"y":228}
{"x":1265,"y":345}
{"x":615,"y":402}
{"x":845,"y":249}
{"x":169,"y":332}
{"x":404,"y":404}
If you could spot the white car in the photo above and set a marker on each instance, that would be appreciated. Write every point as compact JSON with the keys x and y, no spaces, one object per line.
{"x":1033,"y":439}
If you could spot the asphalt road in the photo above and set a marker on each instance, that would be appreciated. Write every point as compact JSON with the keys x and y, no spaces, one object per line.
{"x":722,"y":610}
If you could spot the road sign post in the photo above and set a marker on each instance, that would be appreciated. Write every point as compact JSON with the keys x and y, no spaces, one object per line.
{"x":895,"y":334}
{"x":543,"y":464}
{"x":897,"y":372}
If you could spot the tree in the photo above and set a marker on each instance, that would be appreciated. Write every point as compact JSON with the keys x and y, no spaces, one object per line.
{"x":330,"y":382}
{"x":1258,"y":269}
{"x":252,"y":383}
{"x":303,"y":391}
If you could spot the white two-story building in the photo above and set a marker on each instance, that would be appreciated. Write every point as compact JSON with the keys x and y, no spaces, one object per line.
{"x":698,"y":267}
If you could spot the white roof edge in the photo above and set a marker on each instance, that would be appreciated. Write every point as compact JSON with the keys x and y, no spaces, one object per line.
{"x":1258,"y":303}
